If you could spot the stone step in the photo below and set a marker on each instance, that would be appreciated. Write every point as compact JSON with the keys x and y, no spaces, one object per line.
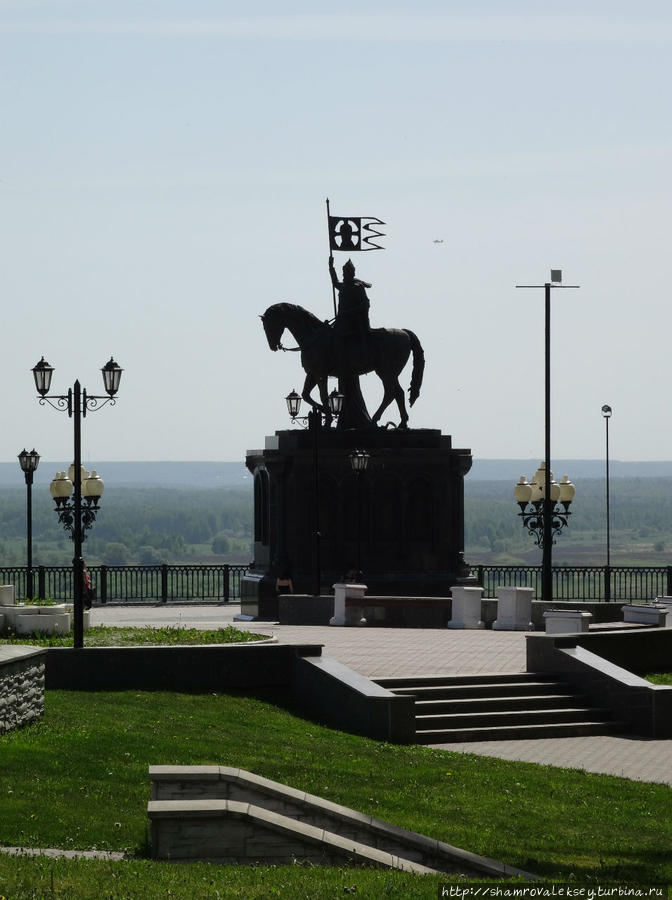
{"x":495,"y":704}
{"x":480,"y":678}
{"x":448,"y":691}
{"x":519,"y":732}
{"x":512,"y":717}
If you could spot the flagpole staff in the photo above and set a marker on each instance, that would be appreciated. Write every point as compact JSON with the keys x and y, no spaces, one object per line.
{"x":333,"y":289}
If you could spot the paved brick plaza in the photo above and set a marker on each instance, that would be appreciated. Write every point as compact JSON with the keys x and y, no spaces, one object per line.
{"x":416,"y":651}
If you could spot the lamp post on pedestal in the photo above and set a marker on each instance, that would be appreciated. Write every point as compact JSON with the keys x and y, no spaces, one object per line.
{"x":545,"y":528}
{"x":315,"y":421}
{"x":29,"y":462}
{"x":77,"y":402}
{"x":359,"y":460}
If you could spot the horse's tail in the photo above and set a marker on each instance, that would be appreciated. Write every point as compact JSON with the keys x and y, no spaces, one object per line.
{"x":418,"y":367}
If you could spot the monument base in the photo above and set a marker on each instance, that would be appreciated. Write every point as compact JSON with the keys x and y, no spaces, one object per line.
{"x":400,"y":522}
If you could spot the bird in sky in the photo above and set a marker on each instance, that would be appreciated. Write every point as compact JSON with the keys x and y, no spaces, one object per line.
{"x":437,"y":241}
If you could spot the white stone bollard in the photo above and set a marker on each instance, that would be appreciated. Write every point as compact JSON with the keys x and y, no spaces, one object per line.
{"x":348,"y":615}
{"x":7,"y":595}
{"x":667,"y":603}
{"x":514,"y":609}
{"x":58,"y":623}
{"x":646,"y":614}
{"x":466,"y":611}
{"x":566,"y":621}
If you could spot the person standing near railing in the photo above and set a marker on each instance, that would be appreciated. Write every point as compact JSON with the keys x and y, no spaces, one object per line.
{"x":88,"y":588}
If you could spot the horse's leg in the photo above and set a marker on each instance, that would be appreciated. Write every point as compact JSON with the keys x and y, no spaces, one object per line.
{"x":392,"y":391}
{"x":401,"y":403}
{"x":324,"y":397}
{"x":308,"y":386}
{"x":388,"y":397}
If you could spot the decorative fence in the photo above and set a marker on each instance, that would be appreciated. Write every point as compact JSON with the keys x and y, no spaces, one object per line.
{"x":221,"y":584}
{"x":134,"y":584}
{"x":589,"y":583}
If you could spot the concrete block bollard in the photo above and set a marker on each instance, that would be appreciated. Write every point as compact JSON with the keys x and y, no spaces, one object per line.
{"x":566,"y":621}
{"x":646,"y":614}
{"x":348,"y":614}
{"x":514,"y":609}
{"x":7,"y":595}
{"x":466,"y":607}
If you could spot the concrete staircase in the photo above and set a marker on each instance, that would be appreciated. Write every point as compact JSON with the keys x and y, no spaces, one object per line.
{"x":457,"y":708}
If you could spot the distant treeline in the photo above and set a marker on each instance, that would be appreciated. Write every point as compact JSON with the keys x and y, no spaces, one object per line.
{"x":639,"y":507}
{"x":143,"y":525}
{"x":156,"y":524}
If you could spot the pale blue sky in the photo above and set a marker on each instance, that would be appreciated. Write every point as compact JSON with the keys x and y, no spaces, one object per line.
{"x":163,"y":171}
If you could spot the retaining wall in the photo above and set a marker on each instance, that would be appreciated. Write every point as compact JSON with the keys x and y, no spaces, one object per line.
{"x":326,"y":690}
{"x":605,"y":664}
{"x":21,"y":686}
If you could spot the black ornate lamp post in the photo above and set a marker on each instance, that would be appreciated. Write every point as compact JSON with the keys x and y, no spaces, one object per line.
{"x":606,"y":412}
{"x":531,"y":497}
{"x":315,"y":421}
{"x":77,"y":402}
{"x":545,"y":529}
{"x":359,"y":460}
{"x":29,"y":462}
{"x":61,"y":488}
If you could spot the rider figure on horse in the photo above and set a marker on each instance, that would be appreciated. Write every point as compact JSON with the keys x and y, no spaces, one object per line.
{"x":351,"y":326}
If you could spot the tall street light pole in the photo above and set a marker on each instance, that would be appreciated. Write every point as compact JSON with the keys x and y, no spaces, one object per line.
{"x":29,"y":462}
{"x":548,"y":503}
{"x":606,"y":412}
{"x":77,"y":402}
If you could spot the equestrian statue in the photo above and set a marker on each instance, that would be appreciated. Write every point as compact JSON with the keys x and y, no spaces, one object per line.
{"x":349,"y":348}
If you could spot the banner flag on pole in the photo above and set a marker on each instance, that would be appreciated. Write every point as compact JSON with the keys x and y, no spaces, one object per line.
{"x":354,"y":233}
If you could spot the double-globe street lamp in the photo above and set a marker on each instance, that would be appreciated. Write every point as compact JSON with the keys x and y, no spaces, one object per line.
{"x":548,"y":510}
{"x":315,"y":421}
{"x":77,"y":402}
{"x":28,"y":460}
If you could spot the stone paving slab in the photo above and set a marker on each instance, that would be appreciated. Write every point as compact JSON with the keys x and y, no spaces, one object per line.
{"x":378,"y":652}
{"x":374,"y":652}
{"x":629,"y":756}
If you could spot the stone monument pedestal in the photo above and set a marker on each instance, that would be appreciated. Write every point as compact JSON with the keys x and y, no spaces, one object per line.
{"x":402,"y":519}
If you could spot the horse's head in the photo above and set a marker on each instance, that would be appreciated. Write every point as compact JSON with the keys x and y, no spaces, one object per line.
{"x":274,"y":326}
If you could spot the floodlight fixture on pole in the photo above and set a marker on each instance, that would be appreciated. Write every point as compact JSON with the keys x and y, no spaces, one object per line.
{"x":548,"y":505}
{"x":606,"y":413}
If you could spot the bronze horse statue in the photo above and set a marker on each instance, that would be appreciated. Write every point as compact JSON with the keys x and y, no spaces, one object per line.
{"x":386,"y":353}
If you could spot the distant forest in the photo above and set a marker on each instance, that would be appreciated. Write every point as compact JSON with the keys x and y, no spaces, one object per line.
{"x":146,"y":525}
{"x":640,"y":516}
{"x":156,"y":524}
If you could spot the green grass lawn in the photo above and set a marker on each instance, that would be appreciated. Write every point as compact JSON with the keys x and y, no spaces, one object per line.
{"x":660,"y":678}
{"x":114,"y":636}
{"x":78,"y":779}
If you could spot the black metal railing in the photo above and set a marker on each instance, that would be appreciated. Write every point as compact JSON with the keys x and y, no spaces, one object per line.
{"x":221,"y":583}
{"x":587,"y":583}
{"x":134,"y":584}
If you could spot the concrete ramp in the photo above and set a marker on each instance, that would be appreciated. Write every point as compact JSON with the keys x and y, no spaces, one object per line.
{"x":228,"y":815}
